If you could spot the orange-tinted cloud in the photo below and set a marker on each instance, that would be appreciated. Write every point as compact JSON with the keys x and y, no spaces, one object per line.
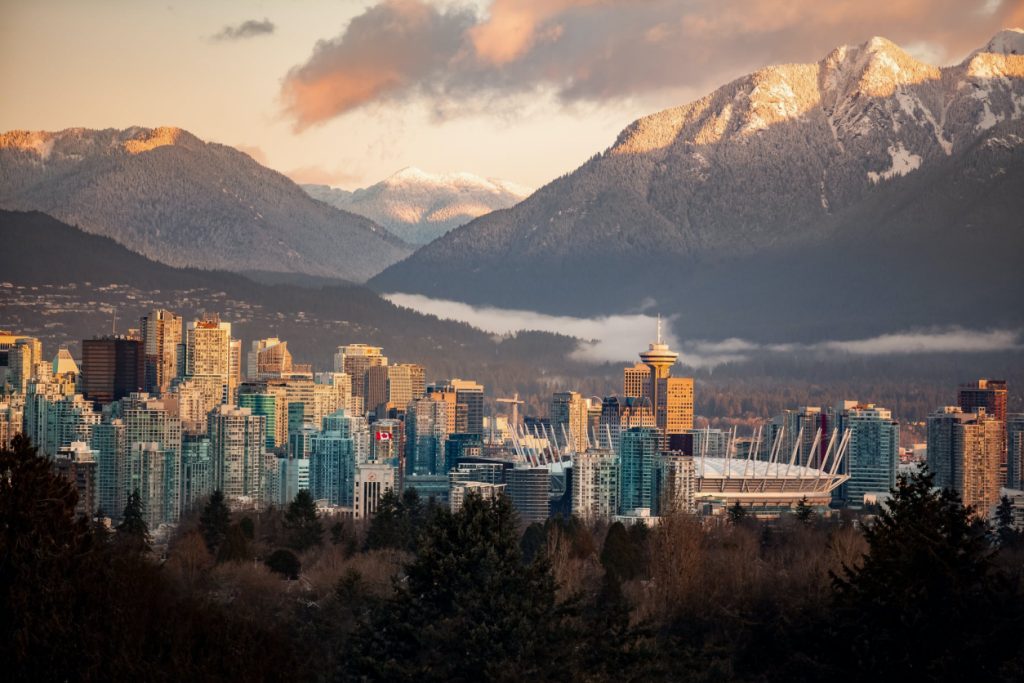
{"x":597,"y":50}
{"x":513,"y":26}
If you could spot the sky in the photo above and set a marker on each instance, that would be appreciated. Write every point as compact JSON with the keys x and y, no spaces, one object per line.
{"x":346,"y":92}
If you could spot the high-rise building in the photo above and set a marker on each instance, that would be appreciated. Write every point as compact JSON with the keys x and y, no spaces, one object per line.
{"x":458,"y":446}
{"x":393,"y":386}
{"x":23,"y":356}
{"x":570,"y":419}
{"x":209,"y":354}
{"x":978,"y":446}
{"x":154,"y":473}
{"x":426,"y":430}
{"x":238,"y":441}
{"x":618,"y":414}
{"x":372,"y":481}
{"x":529,"y":490}
{"x":265,"y":405}
{"x":53,"y":421}
{"x":872,"y":454}
{"x":268,"y":359}
{"x":990,"y":395}
{"x":1015,"y":450}
{"x":595,"y":484}
{"x":161,"y":336}
{"x":334,"y":453}
{"x":196,"y":471}
{"x":797,"y":429}
{"x":637,"y":451}
{"x":675,"y":484}
{"x":355,"y":360}
{"x":636,"y":381}
{"x":112,"y":368}
{"x":12,"y":417}
{"x":671,"y":397}
{"x":459,"y":490}
{"x":295,"y":476}
{"x":470,"y":395}
{"x":76,"y":463}
{"x":152,"y":437}
{"x":64,"y":365}
{"x":108,"y":445}
{"x":941,"y":451}
{"x":455,"y":418}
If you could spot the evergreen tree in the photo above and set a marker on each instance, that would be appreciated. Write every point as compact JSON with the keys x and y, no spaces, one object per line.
{"x":622,"y":555}
{"x":133,"y":532}
{"x":214,"y":521}
{"x":235,"y":547}
{"x":398,"y":521}
{"x":737,"y":513}
{"x":534,"y":541}
{"x":468,"y":609}
{"x":1008,"y":536}
{"x":285,"y":563}
{"x":248,"y":527}
{"x":303,"y":522}
{"x":804,"y":512}
{"x":927,"y":600}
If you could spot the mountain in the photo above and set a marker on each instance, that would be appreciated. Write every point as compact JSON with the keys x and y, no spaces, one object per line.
{"x":63,"y":285}
{"x":419,"y":207}
{"x":865,"y":193}
{"x":166,"y":194}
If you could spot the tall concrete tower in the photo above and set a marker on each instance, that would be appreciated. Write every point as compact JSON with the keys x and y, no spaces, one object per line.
{"x":671,"y":397}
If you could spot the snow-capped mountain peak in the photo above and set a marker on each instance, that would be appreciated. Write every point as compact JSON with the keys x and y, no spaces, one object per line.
{"x":420,"y":206}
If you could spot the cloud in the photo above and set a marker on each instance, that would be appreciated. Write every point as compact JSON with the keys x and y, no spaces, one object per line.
{"x":247,"y":29}
{"x":620,"y":338}
{"x":607,"y":339}
{"x":601,"y":50}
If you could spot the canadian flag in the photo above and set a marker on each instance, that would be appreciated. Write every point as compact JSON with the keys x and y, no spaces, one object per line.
{"x":383,"y":436}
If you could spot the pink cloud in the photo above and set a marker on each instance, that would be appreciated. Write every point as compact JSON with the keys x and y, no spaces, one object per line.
{"x":598,"y":50}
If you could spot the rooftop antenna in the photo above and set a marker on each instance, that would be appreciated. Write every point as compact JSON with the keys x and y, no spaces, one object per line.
{"x":659,"y":328}
{"x":113,"y":323}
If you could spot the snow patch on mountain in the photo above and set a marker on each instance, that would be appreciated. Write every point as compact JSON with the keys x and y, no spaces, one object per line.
{"x":903,"y":162}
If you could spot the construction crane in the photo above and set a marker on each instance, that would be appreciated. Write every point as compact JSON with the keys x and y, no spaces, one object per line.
{"x":515,"y":406}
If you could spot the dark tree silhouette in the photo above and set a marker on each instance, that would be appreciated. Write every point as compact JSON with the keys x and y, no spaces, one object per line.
{"x":214,"y":521}
{"x":285,"y":563}
{"x":469,"y":608}
{"x":927,"y":598}
{"x":303,"y":522}
{"x":133,"y":532}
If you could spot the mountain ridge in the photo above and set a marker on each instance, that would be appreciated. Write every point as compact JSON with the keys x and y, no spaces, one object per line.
{"x":168,"y":195}
{"x":419,"y":206}
{"x":789,"y":160}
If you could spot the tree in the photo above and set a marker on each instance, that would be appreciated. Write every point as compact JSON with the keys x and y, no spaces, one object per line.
{"x":303,"y":522}
{"x":1008,"y":536}
{"x":285,"y":563}
{"x":214,"y":521}
{"x":927,"y":599}
{"x":622,"y":555}
{"x":398,"y":521}
{"x":235,"y":547}
{"x":469,"y":607}
{"x":133,"y":532}
{"x":804,"y":512}
{"x":737,"y":513}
